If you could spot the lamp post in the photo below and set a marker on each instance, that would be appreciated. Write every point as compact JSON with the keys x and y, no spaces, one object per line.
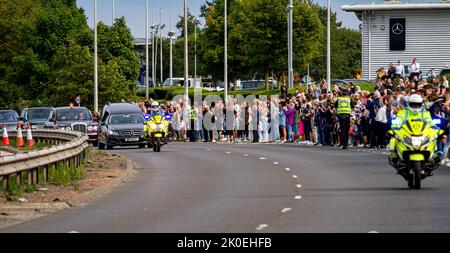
{"x":95,"y":59}
{"x":153,"y":51}
{"x":186,"y":69}
{"x":226,"y":52}
{"x":171,"y":35}
{"x":146,"y":50}
{"x":114,"y":11}
{"x":329,"y":46}
{"x":196,"y":23}
{"x":289,"y":10}
{"x":161,"y":27}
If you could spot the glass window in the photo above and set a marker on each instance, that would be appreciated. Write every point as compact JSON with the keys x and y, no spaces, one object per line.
{"x":8,"y":116}
{"x":73,"y":114}
{"x":119,"y":119}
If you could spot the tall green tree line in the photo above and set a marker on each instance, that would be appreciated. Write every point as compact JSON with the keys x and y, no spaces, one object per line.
{"x":46,"y":56}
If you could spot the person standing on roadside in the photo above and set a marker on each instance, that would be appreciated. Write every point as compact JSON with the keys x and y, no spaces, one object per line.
{"x":414,"y":69}
{"x":399,"y":72}
{"x":344,"y":109}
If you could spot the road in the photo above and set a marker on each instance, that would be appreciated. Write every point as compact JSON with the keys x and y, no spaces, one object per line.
{"x":259,"y":188}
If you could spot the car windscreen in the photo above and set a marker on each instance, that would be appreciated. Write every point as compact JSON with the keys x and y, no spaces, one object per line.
{"x":38,"y":114}
{"x":73,"y":114}
{"x":120,"y":119}
{"x":8,"y":116}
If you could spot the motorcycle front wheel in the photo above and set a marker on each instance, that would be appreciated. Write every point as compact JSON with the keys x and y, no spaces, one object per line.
{"x":157,"y":146}
{"x":415,"y":178}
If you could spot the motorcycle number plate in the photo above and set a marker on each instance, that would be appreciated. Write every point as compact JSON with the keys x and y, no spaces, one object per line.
{"x":158,"y":135}
{"x":131,"y":139}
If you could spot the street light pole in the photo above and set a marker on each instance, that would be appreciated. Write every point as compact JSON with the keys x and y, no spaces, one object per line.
{"x":171,"y":34}
{"x":156,"y":53}
{"x":329,"y":46}
{"x":146,"y":50}
{"x":226,"y":52}
{"x":161,"y":27}
{"x":289,"y":27}
{"x":153,"y":51}
{"x":114,"y":11}
{"x":95,"y":59}
{"x":195,"y":52}
{"x":186,"y":69}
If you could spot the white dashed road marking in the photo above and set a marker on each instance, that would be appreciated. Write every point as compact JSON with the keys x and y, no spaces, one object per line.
{"x":374,"y":232}
{"x":287,"y":209}
{"x":299,"y":186}
{"x":245,"y":154}
{"x":262,"y":158}
{"x":298,"y":197}
{"x":262,"y":226}
{"x":287,"y":169}
{"x":228,"y":152}
{"x":294,"y":176}
{"x":276,"y":163}
{"x":208,"y":149}
{"x":74,"y":232}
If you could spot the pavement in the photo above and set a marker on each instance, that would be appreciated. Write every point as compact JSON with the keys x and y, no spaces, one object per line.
{"x":252,"y":188}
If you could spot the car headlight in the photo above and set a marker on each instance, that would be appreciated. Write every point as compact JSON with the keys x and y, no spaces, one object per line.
{"x":34,"y":127}
{"x":90,"y":128}
{"x":95,"y":128}
{"x":62,"y":128}
{"x":111,"y":132}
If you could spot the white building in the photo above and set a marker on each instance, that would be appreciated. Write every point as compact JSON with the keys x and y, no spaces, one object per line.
{"x":393,"y":31}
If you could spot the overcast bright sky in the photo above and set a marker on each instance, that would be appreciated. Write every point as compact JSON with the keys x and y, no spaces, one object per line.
{"x":134,"y":11}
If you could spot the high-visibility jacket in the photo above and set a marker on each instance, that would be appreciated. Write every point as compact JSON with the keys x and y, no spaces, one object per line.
{"x":192,"y":114}
{"x":344,"y":106}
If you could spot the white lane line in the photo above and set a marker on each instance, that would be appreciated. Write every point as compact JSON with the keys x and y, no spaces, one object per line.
{"x":245,"y":154}
{"x":294,"y":176}
{"x":208,"y":149}
{"x":298,"y":197}
{"x":228,"y":152}
{"x":276,"y":163}
{"x":287,"y":169}
{"x":298,"y":186}
{"x":287,"y":209}
{"x":262,"y":158}
{"x":374,"y":232}
{"x":261,"y":226}
{"x":73,"y":232}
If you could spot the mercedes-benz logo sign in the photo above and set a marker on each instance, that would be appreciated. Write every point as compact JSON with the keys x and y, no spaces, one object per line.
{"x":397,"y":28}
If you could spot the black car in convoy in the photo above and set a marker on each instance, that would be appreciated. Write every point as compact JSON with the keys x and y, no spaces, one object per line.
{"x":10,"y":118}
{"x":121,"y":124}
{"x":77,"y":119}
{"x":36,"y":117}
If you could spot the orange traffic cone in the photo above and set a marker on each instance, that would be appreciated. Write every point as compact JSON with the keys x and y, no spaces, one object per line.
{"x":30,"y":141}
{"x":19,"y":142}
{"x":5,"y":135}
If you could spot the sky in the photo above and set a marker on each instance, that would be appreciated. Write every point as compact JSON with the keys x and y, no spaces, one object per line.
{"x":134,"y":12}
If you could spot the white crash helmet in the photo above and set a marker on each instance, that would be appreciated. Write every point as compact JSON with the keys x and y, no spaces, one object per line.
{"x":155,"y":106}
{"x":415,"y":103}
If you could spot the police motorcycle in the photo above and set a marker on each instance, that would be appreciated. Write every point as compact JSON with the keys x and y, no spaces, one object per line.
{"x":413,"y":143}
{"x":156,"y":128}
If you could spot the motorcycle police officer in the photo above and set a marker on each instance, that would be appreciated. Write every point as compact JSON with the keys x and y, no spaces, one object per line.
{"x":344,"y":109}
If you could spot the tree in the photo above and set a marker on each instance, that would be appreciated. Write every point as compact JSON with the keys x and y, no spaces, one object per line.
{"x":266,"y":39}
{"x":345,"y":49}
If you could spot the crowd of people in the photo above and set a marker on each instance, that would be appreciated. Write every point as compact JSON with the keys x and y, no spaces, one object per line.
{"x":345,"y":116}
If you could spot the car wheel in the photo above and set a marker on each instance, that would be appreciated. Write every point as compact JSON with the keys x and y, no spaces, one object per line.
{"x":95,"y":143}
{"x":101,"y":146}
{"x":109,"y":146}
{"x":141,"y":145}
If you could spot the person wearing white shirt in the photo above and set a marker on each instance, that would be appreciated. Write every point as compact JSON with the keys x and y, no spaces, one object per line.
{"x":381,"y":125}
{"x":399,"y":70}
{"x":414,"y":69}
